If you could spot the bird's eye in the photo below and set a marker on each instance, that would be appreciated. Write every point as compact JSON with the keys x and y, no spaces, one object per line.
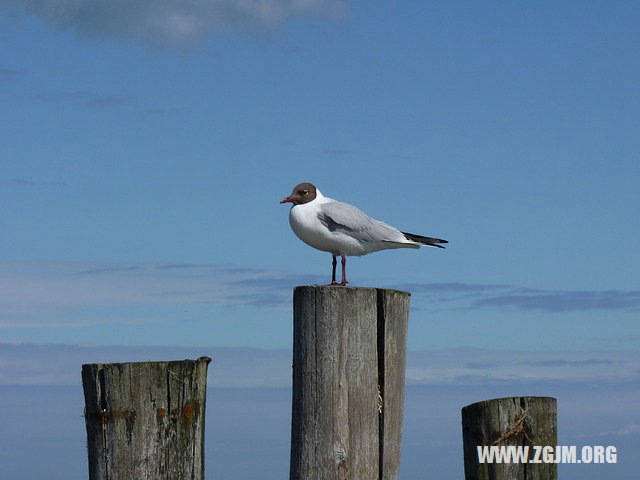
{"x":305,"y":192}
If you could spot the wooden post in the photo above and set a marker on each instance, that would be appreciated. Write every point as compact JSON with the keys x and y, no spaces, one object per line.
{"x":517,"y":421}
{"x":349,"y":348}
{"x":145,"y":419}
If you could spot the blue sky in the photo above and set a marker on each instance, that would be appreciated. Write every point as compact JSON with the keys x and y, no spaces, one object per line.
{"x":145,"y":147}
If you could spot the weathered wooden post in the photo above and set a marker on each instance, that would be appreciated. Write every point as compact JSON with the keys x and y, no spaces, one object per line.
{"x":349,"y":349}
{"x":512,"y":421}
{"x":145,"y":419}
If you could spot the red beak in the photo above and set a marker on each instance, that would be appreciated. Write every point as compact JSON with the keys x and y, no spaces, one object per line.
{"x":286,"y":200}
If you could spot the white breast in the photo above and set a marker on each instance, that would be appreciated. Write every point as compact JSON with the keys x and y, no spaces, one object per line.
{"x":308,"y":228}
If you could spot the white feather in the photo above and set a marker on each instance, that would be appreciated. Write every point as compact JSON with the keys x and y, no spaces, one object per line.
{"x":342,"y":229}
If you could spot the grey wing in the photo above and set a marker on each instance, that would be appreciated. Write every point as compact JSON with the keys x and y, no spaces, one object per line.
{"x":345,"y":218}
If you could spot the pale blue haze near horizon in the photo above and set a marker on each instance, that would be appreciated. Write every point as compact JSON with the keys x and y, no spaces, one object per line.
{"x":144,"y":149}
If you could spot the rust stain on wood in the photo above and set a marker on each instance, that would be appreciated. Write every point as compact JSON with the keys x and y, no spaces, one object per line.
{"x":187,"y":410}
{"x":109,"y":416}
{"x":137,"y":426}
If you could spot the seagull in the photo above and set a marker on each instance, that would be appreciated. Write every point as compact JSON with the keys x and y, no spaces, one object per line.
{"x":342,"y":229}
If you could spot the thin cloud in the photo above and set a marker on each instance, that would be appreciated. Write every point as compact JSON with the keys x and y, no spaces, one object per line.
{"x":284,"y":281}
{"x":336,"y":151}
{"x":454,"y":291}
{"x":22,"y":182}
{"x":51,"y":364}
{"x":632,"y":429}
{"x":499,"y":296}
{"x":481,"y":365}
{"x":625,"y":300}
{"x":83,"y":98}
{"x":160,"y":111}
{"x":558,"y":362}
{"x":60,"y":294}
{"x":105,"y":101}
{"x":173,"y":23}
{"x":472,"y":366}
{"x":55,"y":364}
{"x":28,"y":183}
{"x":12,"y":74}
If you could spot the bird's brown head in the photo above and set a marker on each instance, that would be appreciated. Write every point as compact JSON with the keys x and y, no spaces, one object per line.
{"x":302,"y":193}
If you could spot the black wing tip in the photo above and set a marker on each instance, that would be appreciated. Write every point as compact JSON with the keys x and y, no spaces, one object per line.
{"x":430,"y":241}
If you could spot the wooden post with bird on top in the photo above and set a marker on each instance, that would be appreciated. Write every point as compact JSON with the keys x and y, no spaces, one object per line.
{"x":349,"y":349}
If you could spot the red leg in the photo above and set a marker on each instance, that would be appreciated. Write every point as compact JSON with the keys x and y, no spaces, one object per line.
{"x":333,"y":271}
{"x":344,"y":271}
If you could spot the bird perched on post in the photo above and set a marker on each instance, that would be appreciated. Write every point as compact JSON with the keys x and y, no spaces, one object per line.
{"x":342,"y":229}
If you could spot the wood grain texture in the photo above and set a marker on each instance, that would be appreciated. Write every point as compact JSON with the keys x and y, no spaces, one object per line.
{"x":346,"y":342}
{"x":393,"y":321}
{"x":509,"y":421}
{"x":145,"y":420}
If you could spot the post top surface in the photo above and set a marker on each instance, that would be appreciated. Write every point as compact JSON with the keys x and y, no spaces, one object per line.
{"x":338,"y":288}
{"x":205,"y":359}
{"x":510,"y":399}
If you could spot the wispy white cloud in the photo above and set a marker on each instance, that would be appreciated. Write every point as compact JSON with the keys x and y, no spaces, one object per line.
{"x":479,"y":366}
{"x":48,"y":364}
{"x":172,"y":22}
{"x":21,"y":182}
{"x":29,"y":183}
{"x":562,"y":301}
{"x":63,"y":294}
{"x":338,"y":152}
{"x":83,"y":98}
{"x":632,"y":429}
{"x":12,"y":74}
{"x":499,"y":296}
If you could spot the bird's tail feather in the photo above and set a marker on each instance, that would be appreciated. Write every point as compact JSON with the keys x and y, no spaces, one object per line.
{"x":432,"y":242}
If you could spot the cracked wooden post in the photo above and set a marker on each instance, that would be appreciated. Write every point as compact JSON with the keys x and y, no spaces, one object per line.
{"x":512,"y":421}
{"x":145,"y":419}
{"x":349,"y":349}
